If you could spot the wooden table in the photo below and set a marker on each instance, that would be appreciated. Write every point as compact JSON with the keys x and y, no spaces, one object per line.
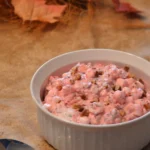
{"x":22,"y":51}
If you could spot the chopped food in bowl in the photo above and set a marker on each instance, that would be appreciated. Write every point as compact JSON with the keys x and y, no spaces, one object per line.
{"x":97,"y":94}
{"x":101,"y":105}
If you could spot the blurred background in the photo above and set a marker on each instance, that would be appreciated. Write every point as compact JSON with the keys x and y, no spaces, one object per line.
{"x":32,"y":32}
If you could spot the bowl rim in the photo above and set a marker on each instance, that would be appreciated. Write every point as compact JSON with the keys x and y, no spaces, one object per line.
{"x":78,"y":124}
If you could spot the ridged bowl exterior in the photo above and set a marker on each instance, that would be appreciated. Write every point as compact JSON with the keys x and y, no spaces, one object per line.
{"x":67,"y":137}
{"x":133,"y":135}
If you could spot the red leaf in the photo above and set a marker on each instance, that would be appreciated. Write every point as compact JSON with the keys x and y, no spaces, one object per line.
{"x":38,"y":10}
{"x":124,"y":7}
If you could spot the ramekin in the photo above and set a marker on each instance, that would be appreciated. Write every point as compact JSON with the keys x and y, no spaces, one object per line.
{"x":65,"y":135}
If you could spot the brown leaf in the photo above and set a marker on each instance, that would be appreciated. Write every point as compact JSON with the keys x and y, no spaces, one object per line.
{"x":37,"y":10}
{"x":124,"y":7}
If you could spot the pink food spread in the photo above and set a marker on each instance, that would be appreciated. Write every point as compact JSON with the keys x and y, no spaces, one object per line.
{"x":97,"y":94}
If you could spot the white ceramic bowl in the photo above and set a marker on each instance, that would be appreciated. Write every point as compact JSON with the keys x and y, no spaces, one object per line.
{"x":64,"y":135}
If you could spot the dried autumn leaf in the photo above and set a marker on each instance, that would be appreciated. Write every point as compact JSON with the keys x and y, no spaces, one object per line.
{"x":143,"y":5}
{"x":122,"y":6}
{"x":37,"y":10}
